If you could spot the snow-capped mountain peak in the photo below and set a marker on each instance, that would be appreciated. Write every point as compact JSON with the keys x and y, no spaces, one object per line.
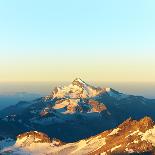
{"x":77,"y":89}
{"x":79,"y":82}
{"x":80,"y":89}
{"x":108,"y":89}
{"x":115,"y":94}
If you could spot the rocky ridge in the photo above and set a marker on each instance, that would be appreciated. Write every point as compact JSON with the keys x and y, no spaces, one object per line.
{"x":128,"y":138}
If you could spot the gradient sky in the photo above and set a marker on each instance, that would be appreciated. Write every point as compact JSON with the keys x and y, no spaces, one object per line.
{"x":98,"y":40}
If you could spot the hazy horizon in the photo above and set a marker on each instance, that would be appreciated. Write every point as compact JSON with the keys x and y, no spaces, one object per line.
{"x":145,"y":89}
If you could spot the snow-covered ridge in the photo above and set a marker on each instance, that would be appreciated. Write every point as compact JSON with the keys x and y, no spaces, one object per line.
{"x":79,"y":89}
{"x":129,"y":137}
{"x":115,"y":94}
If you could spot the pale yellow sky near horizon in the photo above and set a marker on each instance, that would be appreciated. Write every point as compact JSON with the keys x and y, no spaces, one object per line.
{"x":60,"y":40}
{"x":97,"y":66}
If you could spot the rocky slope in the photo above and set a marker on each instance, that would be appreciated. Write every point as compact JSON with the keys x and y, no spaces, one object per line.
{"x":130,"y":137}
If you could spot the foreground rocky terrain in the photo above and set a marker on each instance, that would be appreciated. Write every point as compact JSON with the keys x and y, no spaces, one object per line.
{"x":128,"y":138}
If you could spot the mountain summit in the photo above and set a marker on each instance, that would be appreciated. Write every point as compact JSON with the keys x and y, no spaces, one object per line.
{"x":79,"y":82}
{"x":80,"y":89}
{"x":77,"y":89}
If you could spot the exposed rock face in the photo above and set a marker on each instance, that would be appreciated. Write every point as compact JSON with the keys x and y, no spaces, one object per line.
{"x":37,"y":137}
{"x":79,"y":82}
{"x":130,"y":137}
{"x":97,"y":107}
{"x":72,"y":106}
{"x":28,"y":138}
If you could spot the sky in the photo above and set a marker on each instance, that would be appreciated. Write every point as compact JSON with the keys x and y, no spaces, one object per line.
{"x":97,"y":40}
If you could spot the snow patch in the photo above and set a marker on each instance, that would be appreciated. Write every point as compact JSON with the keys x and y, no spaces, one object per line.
{"x":149,"y":136}
{"x":114,"y":148}
{"x":103,"y":153}
{"x":129,"y":150}
{"x":115,"y":131}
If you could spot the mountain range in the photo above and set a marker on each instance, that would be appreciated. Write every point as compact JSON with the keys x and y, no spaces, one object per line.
{"x":82,"y":117}
{"x":12,"y":98}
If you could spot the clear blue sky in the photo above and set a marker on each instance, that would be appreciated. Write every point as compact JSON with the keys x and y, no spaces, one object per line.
{"x":44,"y":40}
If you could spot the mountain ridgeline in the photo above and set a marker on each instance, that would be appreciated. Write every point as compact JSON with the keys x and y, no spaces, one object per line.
{"x":130,"y":137}
{"x":74,"y":112}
